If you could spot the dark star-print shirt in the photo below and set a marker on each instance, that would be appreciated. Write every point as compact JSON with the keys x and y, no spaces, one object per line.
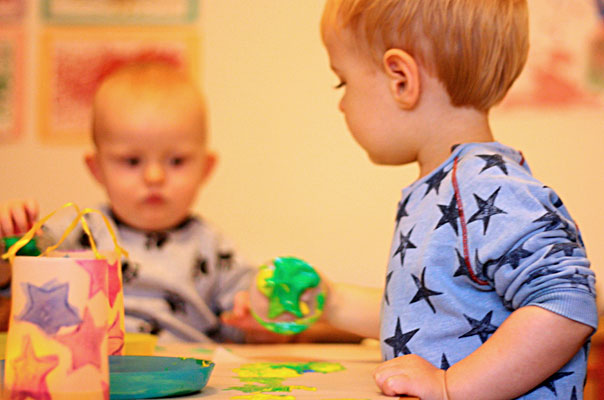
{"x":475,"y":240}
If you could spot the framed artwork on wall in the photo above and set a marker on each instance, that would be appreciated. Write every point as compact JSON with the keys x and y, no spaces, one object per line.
{"x":12,"y":9}
{"x":120,"y":11}
{"x":11,"y":83}
{"x":73,"y":61}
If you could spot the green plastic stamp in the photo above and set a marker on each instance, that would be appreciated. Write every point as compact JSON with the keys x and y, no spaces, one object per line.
{"x":288,"y":296}
{"x":29,"y":249}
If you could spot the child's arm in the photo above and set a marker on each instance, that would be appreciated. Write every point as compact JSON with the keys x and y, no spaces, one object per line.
{"x":16,"y":217}
{"x":528,"y":347}
{"x":351,"y":313}
{"x":354,"y":309}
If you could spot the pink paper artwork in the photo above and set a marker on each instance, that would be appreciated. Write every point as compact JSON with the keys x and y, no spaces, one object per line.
{"x":11,"y":82}
{"x":563,"y":43}
{"x":74,"y":64}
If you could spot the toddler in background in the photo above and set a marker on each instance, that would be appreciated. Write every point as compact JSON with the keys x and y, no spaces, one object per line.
{"x":151,"y":157}
{"x":488,"y":291}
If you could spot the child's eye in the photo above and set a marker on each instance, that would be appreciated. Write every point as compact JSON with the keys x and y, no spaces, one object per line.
{"x":340,"y":85}
{"x":177,"y":161}
{"x":132,"y":161}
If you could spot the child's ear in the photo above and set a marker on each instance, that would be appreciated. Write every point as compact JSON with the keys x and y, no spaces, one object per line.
{"x":209,"y":165}
{"x":403,"y":71}
{"x":91,"y":161}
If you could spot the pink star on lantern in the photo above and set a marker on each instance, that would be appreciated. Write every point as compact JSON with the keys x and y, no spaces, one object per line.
{"x":105,"y":387}
{"x":85,"y":342}
{"x":30,"y":373}
{"x":116,"y":338}
{"x":114,"y":284}
{"x":98,"y":275}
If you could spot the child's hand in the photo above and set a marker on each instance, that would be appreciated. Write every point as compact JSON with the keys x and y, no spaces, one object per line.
{"x":411,"y":375}
{"x":241,"y":317}
{"x":17,"y":217}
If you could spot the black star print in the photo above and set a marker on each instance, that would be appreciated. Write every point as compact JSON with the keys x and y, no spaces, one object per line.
{"x":423,"y":293}
{"x":201,"y":267}
{"x":482,"y":328}
{"x":450,"y":214}
{"x":493,"y":160}
{"x":399,"y":341}
{"x":84,"y":240}
{"x":586,"y":347}
{"x":572,"y":234}
{"x":129,"y":271}
{"x":151,"y":326}
{"x":402,"y":209}
{"x":481,"y":269}
{"x":444,"y":363}
{"x":435,"y":181}
{"x":175,"y":301}
{"x":388,"y":277}
{"x":538,"y":273}
{"x":462,"y":270}
{"x":573,"y":395}
{"x":550,"y":384}
{"x":551,"y":218}
{"x":156,"y":239}
{"x":558,"y":203}
{"x":486,"y":209}
{"x":225,"y":260}
{"x":515,"y":256}
{"x":578,"y":279}
{"x":566,"y":247}
{"x":405,"y":243}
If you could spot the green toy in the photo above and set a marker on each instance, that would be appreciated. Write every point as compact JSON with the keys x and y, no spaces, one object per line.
{"x":283,"y":282}
{"x":30,"y":249}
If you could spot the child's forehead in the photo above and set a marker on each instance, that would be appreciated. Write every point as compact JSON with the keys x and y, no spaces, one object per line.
{"x":150,"y":95}
{"x":151,"y":143}
{"x":146,"y":123}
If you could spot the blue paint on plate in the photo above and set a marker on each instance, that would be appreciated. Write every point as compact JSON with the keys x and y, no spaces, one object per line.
{"x":135,"y":377}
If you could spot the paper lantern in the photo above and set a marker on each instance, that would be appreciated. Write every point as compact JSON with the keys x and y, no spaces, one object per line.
{"x":57,"y":337}
{"x":67,"y":317}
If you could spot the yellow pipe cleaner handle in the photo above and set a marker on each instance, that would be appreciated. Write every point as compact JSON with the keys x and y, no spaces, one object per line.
{"x":11,"y":253}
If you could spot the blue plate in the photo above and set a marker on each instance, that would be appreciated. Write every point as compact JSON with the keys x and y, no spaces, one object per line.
{"x":136,"y":377}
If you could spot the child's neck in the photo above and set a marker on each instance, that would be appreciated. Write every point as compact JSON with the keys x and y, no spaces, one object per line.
{"x":455,"y":125}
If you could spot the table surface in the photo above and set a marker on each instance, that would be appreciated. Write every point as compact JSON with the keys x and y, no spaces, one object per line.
{"x":352,"y":382}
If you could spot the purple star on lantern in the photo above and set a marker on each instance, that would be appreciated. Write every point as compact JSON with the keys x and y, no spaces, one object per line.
{"x":47,"y":307}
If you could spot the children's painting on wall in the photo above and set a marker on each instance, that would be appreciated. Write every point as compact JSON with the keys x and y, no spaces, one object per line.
{"x":120,"y":11}
{"x":11,"y":83}
{"x":565,"y":67}
{"x":74,"y":61}
{"x":10,"y":9}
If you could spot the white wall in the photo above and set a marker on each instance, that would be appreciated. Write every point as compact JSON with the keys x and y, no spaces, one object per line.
{"x":290,"y":180}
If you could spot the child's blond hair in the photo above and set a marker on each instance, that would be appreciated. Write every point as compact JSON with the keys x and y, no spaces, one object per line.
{"x":151,"y":82}
{"x":476,"y":48}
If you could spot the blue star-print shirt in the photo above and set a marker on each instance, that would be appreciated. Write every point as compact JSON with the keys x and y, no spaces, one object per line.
{"x":475,"y":240}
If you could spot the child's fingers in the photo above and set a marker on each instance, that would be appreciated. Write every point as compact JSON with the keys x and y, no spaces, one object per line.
{"x":33,"y":210}
{"x":17,"y":217}
{"x":7,"y":225}
{"x":20,"y":220}
{"x":241,"y":304}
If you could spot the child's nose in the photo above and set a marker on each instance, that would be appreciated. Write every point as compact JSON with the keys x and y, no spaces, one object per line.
{"x":154,"y":173}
